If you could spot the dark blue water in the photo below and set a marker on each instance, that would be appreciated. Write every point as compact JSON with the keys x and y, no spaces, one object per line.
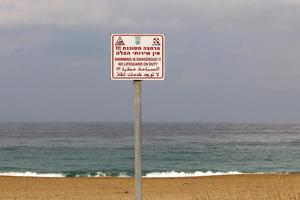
{"x":107,"y":148}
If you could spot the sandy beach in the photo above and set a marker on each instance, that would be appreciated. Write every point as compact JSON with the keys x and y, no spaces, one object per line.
{"x":233,"y":187}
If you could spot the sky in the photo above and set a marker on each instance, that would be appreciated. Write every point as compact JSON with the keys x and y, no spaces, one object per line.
{"x":226,"y":61}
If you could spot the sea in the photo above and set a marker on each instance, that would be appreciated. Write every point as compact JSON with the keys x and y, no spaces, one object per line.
{"x":95,"y":149}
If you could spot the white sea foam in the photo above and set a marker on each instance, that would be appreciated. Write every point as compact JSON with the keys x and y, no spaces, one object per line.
{"x":31,"y":174}
{"x":188,"y":174}
{"x":169,"y":174}
{"x":123,"y":174}
{"x":100,"y":174}
{"x":103,"y":174}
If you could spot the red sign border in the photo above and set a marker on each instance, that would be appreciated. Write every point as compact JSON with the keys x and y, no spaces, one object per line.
{"x":137,"y":78}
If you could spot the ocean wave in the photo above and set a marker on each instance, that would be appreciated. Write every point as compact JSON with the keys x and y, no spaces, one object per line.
{"x":188,"y":174}
{"x":68,"y":174}
{"x":31,"y":174}
{"x":103,"y":174}
{"x":168,"y":174}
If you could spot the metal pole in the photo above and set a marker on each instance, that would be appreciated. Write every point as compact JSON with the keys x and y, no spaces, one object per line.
{"x":138,"y":140}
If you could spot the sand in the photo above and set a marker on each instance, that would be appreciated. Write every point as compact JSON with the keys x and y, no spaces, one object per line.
{"x":233,"y":187}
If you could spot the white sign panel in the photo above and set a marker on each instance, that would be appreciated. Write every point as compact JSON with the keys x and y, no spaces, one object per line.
{"x":137,"y":57}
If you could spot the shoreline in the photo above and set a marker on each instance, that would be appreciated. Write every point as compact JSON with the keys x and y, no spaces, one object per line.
{"x":222,"y":187}
{"x":168,"y":174}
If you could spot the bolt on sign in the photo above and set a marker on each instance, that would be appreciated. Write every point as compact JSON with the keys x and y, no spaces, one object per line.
{"x":137,"y":57}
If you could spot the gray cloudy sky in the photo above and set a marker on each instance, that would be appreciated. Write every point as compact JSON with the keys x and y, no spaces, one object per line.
{"x":229,"y":61}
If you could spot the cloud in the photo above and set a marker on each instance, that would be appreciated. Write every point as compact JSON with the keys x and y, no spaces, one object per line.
{"x":59,"y":12}
{"x":293,"y":2}
{"x":22,"y":41}
{"x":214,"y":14}
{"x":234,"y":56}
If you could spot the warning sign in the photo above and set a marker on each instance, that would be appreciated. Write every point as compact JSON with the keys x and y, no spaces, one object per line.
{"x":120,"y":41}
{"x":137,"y":56}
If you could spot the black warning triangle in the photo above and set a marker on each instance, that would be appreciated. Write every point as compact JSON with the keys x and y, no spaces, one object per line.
{"x":120,"y":41}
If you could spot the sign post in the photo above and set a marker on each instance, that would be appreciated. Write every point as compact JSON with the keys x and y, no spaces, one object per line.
{"x":137,"y":57}
{"x":138,"y":138}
